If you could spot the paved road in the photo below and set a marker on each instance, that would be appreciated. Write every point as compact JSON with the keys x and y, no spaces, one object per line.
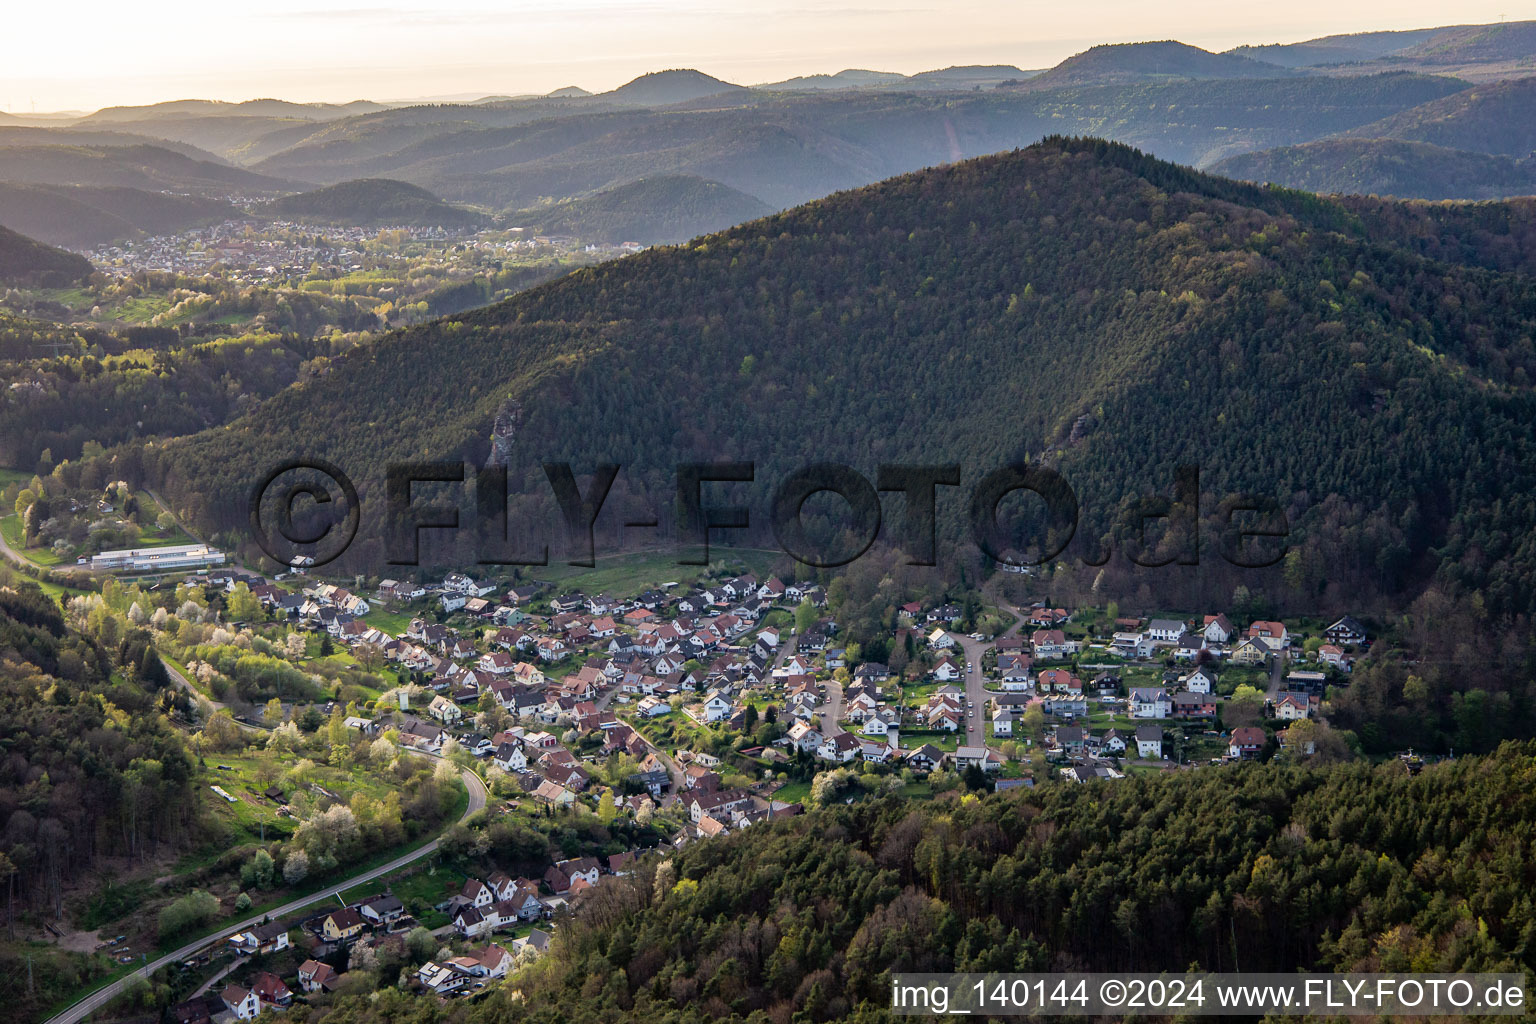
{"x":99,"y":998}
{"x":975,"y":681}
{"x":1276,"y":675}
{"x":832,"y":710}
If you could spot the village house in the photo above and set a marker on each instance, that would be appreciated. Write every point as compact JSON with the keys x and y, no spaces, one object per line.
{"x":925,"y":758}
{"x":342,"y":925}
{"x":1291,"y":706}
{"x":315,"y":976}
{"x":1050,"y":644}
{"x":264,"y":938}
{"x":270,"y":990}
{"x":1132,"y":646}
{"x":1193,"y":705}
{"x":241,"y":1002}
{"x":966,"y":757}
{"x":382,"y":910}
{"x":1252,"y":651}
{"x":1149,"y":741}
{"x":1150,"y":702}
{"x":1201,"y":680}
{"x":1217,"y":629}
{"x":1346,"y":631}
{"x":1272,"y":632}
{"x":1246,"y":742}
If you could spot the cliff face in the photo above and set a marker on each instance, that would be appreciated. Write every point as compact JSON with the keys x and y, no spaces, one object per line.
{"x":504,"y":432}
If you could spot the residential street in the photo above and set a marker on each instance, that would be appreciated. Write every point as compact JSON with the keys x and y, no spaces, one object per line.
{"x":975,"y":681}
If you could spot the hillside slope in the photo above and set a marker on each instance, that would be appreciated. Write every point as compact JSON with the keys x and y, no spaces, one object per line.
{"x":83,"y":216}
{"x":1075,"y":302}
{"x":374,"y":201}
{"x":1498,"y":118}
{"x":650,"y":211}
{"x":1387,"y":167}
{"x":143,"y":167}
{"x":25,"y":260}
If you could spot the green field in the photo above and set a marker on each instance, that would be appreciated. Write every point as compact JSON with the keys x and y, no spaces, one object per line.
{"x":393,"y":623}
{"x":793,"y":792}
{"x":10,"y":526}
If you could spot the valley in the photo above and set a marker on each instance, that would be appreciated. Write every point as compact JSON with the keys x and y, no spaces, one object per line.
{"x":746,"y":535}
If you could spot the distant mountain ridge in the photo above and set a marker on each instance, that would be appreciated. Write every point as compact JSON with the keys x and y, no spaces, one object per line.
{"x":1116,"y":63}
{"x":1479,"y":143}
{"x":664,"y":88}
{"x":1478,"y":52}
{"x":786,"y":148}
{"x":247,"y":108}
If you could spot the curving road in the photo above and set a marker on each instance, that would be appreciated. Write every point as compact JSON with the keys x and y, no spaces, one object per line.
{"x":96,"y":1000}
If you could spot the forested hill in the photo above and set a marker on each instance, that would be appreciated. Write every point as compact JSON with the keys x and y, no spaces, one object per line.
{"x":1258,"y":868}
{"x":1386,"y":167}
{"x":26,"y":261}
{"x":375,"y":201}
{"x":670,"y":208}
{"x":1076,"y":302}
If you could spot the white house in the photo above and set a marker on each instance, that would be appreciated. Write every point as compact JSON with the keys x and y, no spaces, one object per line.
{"x":242,"y":1002}
{"x":716,"y":707}
{"x":1149,"y":702}
{"x":939,"y":640}
{"x":840,"y":747}
{"x":1165,"y":630}
{"x":445,"y":710}
{"x":1201,"y":680}
{"x":510,"y":757}
{"x":1149,"y":740}
{"x":1217,"y":629}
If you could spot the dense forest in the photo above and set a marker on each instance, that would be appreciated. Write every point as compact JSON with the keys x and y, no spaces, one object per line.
{"x":91,"y":766}
{"x":1258,"y":868}
{"x":1386,"y":167}
{"x":1076,"y":304}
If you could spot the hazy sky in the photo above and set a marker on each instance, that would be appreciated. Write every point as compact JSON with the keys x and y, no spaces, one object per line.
{"x":88,"y":54}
